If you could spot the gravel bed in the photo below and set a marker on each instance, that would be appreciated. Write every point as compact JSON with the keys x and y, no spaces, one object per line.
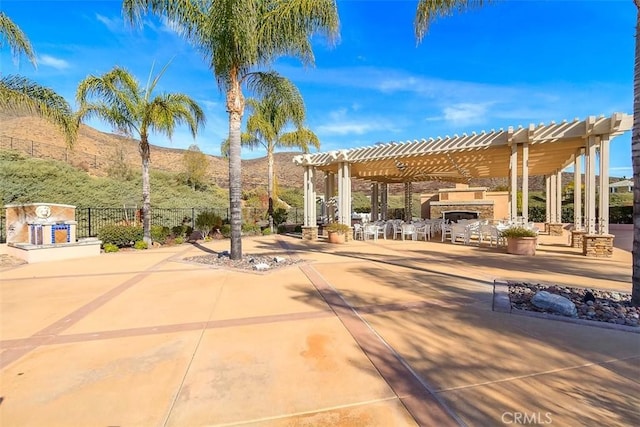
{"x":591,"y":304}
{"x":261,"y":263}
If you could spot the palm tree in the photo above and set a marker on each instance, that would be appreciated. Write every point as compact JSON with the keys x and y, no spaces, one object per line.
{"x":267,"y":127}
{"x":20,"y":95}
{"x":117,"y":98}
{"x":429,"y":10}
{"x":635,"y":156}
{"x":239,"y":37}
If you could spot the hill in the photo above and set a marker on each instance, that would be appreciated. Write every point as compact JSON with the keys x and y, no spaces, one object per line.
{"x":96,"y":152}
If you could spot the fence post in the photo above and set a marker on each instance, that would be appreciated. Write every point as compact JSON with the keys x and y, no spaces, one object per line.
{"x":193,"y":218}
{"x":89,"y":221}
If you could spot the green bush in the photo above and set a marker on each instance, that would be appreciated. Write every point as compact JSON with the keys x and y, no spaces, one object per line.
{"x":206,"y":221}
{"x":179,"y":240}
{"x":266,"y":231}
{"x":282,"y":229}
{"x":280,"y":216}
{"x":519,"y":232}
{"x":120,"y":235}
{"x":110,"y":247}
{"x":298,"y":229}
{"x":250,"y":229}
{"x":141,"y":245}
{"x":160,"y":233}
{"x":225,"y":230}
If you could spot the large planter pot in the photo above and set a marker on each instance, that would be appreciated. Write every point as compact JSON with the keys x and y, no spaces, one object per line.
{"x":521,"y":245}
{"x":335,"y":237}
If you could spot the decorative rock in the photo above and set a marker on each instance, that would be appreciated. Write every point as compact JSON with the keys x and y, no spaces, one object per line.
{"x":589,"y":297}
{"x":279,"y":259}
{"x":554,"y":303}
{"x":261,"y":266}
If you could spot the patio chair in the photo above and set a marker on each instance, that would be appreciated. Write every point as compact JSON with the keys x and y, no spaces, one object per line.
{"x":424,"y":230}
{"x":370,"y":231}
{"x":446,"y":231}
{"x":459,"y":231}
{"x":408,"y":230}
{"x":397,"y":229}
{"x":358,"y":232}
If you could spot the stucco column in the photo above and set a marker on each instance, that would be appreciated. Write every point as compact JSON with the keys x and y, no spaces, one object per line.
{"x":525,"y":182}
{"x":384,"y":200}
{"x":559,"y":197}
{"x":547,"y":181}
{"x":344,"y":193}
{"x":603,"y":214}
{"x":374,"y":201}
{"x":329,"y":192}
{"x":309,"y":197}
{"x":552,"y":200}
{"x":408,"y":201}
{"x":577,"y":191}
{"x":513,"y":182}
{"x":590,"y":186}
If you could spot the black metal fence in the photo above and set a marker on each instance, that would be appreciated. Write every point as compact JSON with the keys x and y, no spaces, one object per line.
{"x":90,"y":220}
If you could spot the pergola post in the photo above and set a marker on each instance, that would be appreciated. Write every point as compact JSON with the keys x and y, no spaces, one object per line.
{"x":344,"y":193}
{"x":577,"y":191}
{"x":513,"y":183}
{"x":552,"y":199}
{"x":525,"y":182}
{"x":559,"y":197}
{"x":408,"y":201}
{"x":603,"y":214}
{"x":374,"y":201}
{"x":590,"y":186}
{"x":329,"y":192}
{"x":384,"y":200}
{"x":310,"y":229}
{"x":547,"y":182}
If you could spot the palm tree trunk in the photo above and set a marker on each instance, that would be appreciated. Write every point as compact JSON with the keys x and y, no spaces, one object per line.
{"x":270,"y":186}
{"x":146,"y":190}
{"x":635,"y":156}
{"x":235,"y":107}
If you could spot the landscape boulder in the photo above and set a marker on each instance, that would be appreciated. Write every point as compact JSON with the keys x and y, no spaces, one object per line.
{"x":554,"y":303}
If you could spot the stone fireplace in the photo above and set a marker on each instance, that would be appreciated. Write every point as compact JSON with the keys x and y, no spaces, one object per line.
{"x":464,"y":202}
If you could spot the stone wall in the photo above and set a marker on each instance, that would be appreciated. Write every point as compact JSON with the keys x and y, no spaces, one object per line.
{"x":485,"y":211}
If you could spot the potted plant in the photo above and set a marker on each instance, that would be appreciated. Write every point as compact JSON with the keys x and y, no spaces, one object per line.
{"x":520,"y":240}
{"x":336,"y":232}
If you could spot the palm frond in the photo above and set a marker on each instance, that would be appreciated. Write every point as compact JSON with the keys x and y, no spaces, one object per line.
{"x":429,"y":10}
{"x":23,"y":96}
{"x":12,"y":35}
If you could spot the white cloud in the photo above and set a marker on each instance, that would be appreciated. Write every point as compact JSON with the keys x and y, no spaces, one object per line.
{"x":466,"y":113}
{"x":50,"y":61}
{"x":114,"y":25}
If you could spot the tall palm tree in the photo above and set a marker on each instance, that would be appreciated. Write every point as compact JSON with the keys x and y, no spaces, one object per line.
{"x":277,"y":121}
{"x":429,"y":10}
{"x":635,"y":156}
{"x":20,"y":95}
{"x":239,"y":37}
{"x":117,"y":98}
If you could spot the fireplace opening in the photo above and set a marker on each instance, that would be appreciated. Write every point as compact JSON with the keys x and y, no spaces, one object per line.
{"x":454,"y":216}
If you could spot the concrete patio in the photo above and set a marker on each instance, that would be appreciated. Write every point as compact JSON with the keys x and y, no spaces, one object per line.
{"x":385,"y":333}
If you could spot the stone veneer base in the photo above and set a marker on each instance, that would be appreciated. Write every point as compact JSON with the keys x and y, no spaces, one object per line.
{"x":597,"y":245}
{"x":555,"y":229}
{"x":577,"y":237}
{"x":310,"y":233}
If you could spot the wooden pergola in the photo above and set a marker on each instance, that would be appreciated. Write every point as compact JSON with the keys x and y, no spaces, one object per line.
{"x":536,"y":150}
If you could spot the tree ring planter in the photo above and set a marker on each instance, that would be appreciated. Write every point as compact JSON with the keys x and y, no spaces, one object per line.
{"x":521,"y":245}
{"x":335,"y":237}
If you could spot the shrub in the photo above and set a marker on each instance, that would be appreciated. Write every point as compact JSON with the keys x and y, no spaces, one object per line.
{"x":519,"y":232}
{"x":179,"y":240}
{"x":206,"y":221}
{"x":282,"y":229}
{"x":225,"y":230}
{"x":141,"y":245}
{"x":297,"y":229}
{"x":120,"y":235}
{"x":251,"y":229}
{"x":160,"y":233}
{"x":266,"y":231}
{"x":338,"y":227}
{"x":110,"y":247}
{"x":280,"y":216}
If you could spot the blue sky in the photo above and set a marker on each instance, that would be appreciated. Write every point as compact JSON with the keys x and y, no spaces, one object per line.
{"x":507,"y":64}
